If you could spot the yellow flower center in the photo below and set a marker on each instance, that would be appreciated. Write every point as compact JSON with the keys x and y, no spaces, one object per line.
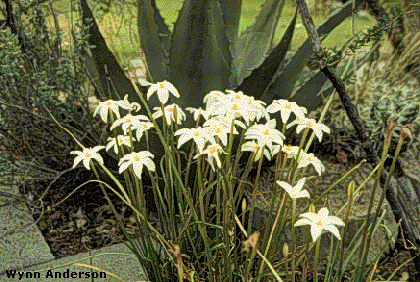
{"x":250,"y":102}
{"x":87,"y":155}
{"x":136,"y":158}
{"x":108,"y":103}
{"x":119,"y":140}
{"x":266,"y":132}
{"x":170,"y":110}
{"x":145,"y":126}
{"x":238,"y":96}
{"x":288,"y":148}
{"x":234,"y":107}
{"x":161,"y":86}
{"x":288,"y":106}
{"x":309,"y":124}
{"x":213,"y":150}
{"x":196,"y":133}
{"x":256,"y":147}
{"x":310,"y":159}
{"x":218,"y":130}
{"x":128,"y":120}
{"x":320,"y":223}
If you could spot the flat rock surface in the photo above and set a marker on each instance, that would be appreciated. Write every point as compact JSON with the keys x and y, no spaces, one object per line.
{"x":21,"y":242}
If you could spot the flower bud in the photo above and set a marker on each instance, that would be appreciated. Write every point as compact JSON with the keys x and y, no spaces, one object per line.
{"x":350,"y":190}
{"x":243,"y":206}
{"x":311,"y":208}
{"x":285,"y":250}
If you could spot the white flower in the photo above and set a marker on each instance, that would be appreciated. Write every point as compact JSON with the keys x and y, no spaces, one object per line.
{"x":253,"y":147}
{"x":200,"y":136}
{"x":213,"y":153}
{"x":216,"y":127}
{"x":222,"y":121}
{"x":238,"y":96}
{"x":310,"y":123}
{"x":296,"y":191}
{"x":285,"y":107}
{"x":103,"y":108}
{"x":306,"y":159}
{"x":141,"y":127}
{"x":127,"y":121}
{"x":138,"y":160}
{"x":198,"y":112}
{"x":122,"y":140}
{"x":212,"y":97}
{"x":257,"y":109}
{"x":320,"y":221}
{"x":230,"y":109}
{"x":290,"y":150}
{"x":265,"y":134}
{"x":163,"y":89}
{"x":86,"y":155}
{"x":169,"y":113}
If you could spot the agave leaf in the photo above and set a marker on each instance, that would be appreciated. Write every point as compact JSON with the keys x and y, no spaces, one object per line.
{"x":284,"y":84}
{"x":164,"y":32}
{"x":94,"y":76}
{"x":153,"y":37}
{"x":199,"y":54}
{"x":306,"y":94}
{"x":231,"y":11}
{"x":259,"y":79}
{"x":112,"y":77}
{"x":255,"y":42}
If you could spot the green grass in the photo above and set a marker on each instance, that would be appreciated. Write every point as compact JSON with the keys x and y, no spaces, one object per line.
{"x":125,"y":48}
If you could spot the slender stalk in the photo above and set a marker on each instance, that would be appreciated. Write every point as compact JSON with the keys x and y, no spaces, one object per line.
{"x":318,"y":243}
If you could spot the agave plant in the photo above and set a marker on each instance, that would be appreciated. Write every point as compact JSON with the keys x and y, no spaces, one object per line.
{"x":204,"y":52}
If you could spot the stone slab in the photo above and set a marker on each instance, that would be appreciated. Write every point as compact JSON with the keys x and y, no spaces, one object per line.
{"x":116,"y":259}
{"x":21,"y":242}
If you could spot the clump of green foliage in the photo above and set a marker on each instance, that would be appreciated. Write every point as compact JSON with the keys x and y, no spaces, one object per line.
{"x":383,"y":93}
{"x":38,"y":75}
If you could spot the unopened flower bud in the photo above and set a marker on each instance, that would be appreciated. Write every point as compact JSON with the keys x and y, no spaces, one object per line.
{"x":285,"y":250}
{"x":243,"y":206}
{"x":406,"y":132}
{"x":311,"y":208}
{"x":350,"y":190}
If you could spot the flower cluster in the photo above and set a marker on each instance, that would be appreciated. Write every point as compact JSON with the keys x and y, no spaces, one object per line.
{"x":225,"y":114}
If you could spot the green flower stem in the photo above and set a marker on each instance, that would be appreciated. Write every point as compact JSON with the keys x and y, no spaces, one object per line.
{"x":171,"y":161}
{"x":363,"y":247}
{"x":137,"y":194}
{"x":318,"y":242}
{"x":381,"y":200}
{"x":254,"y":196}
{"x":272,"y":204}
{"x":244,"y":176}
{"x":306,"y":252}
{"x":320,"y":197}
{"x":203,"y":215}
{"x":293,"y":239}
{"x":238,"y":153}
{"x":302,"y":141}
{"x":344,"y":232}
{"x":120,"y":148}
{"x":323,"y":113}
{"x":227,"y":167}
{"x":251,"y":259}
{"x":117,"y":216}
{"x":272,"y":232}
